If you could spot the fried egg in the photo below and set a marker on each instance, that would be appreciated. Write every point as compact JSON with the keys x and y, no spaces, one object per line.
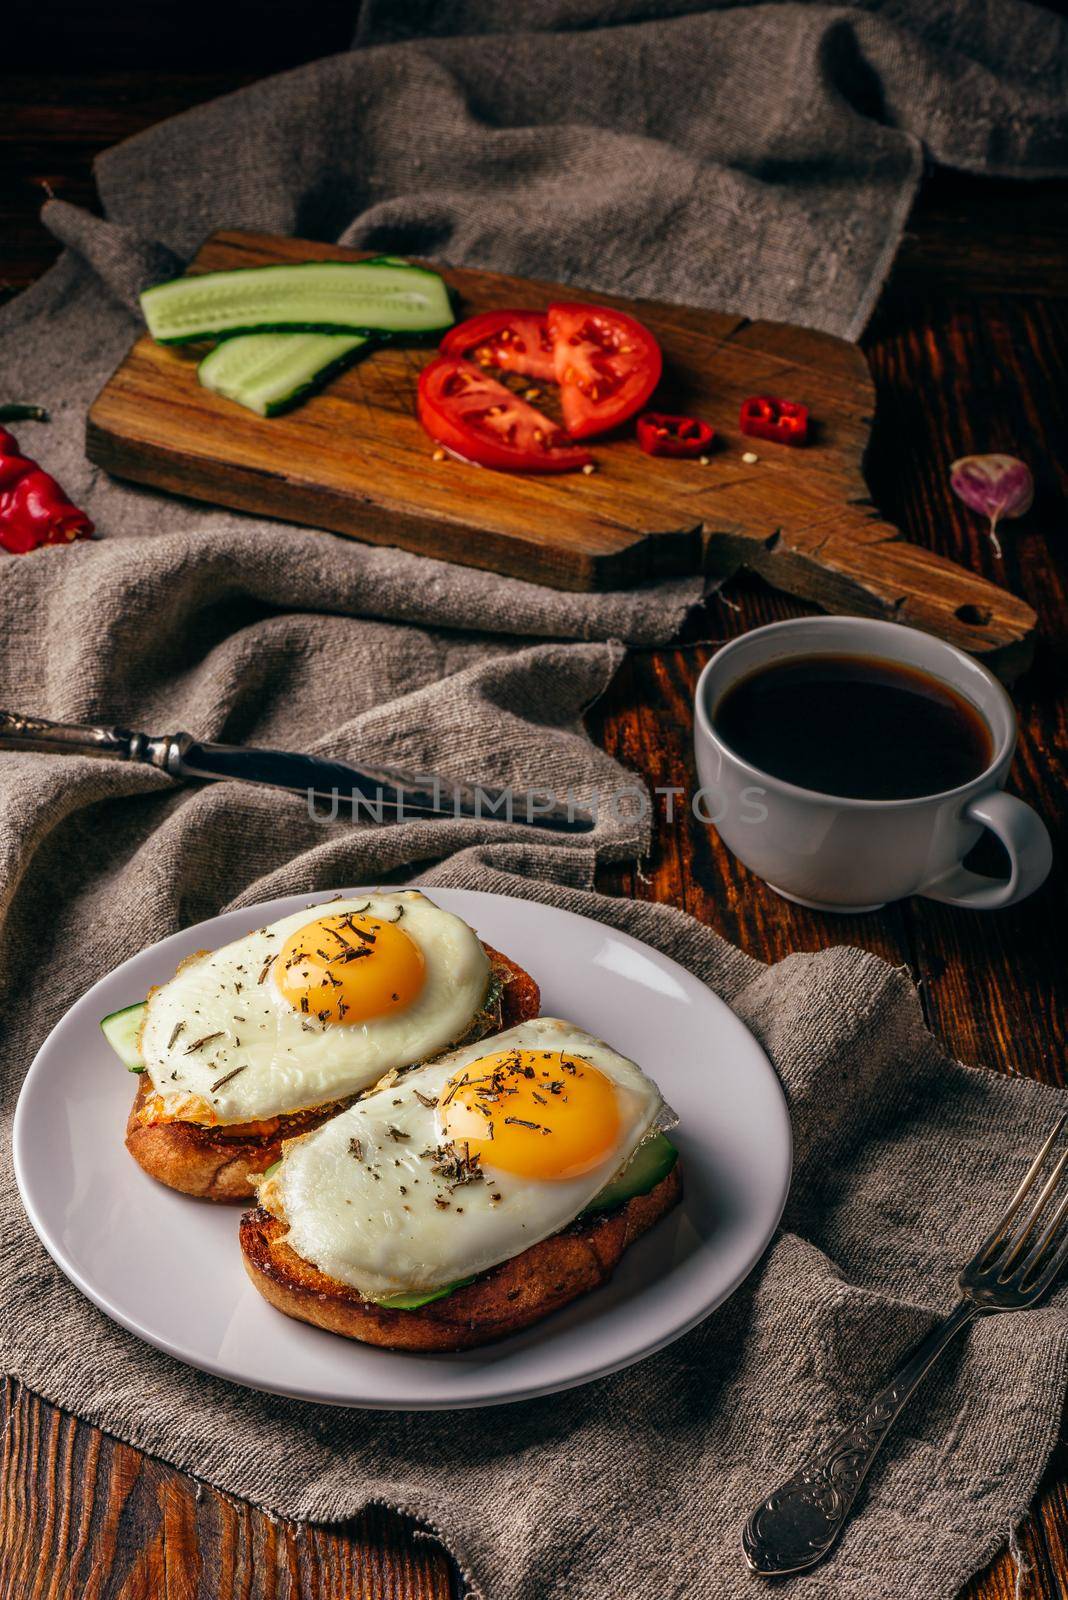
{"x":314,"y":1008}
{"x":465,"y":1162}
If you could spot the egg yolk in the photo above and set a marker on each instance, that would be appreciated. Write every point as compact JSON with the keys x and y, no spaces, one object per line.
{"x":537,"y":1113}
{"x":349,"y":967}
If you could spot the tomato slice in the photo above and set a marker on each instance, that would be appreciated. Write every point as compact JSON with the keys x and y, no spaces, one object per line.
{"x":472,"y":414}
{"x":606,"y":363}
{"x":513,"y":341}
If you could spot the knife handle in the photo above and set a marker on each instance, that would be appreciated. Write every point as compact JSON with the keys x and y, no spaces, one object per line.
{"x":18,"y":732}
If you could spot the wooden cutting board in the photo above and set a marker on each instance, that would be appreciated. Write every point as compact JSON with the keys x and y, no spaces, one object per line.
{"x":355,"y":460}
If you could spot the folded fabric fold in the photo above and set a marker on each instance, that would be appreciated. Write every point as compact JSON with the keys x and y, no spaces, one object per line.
{"x":125,"y":263}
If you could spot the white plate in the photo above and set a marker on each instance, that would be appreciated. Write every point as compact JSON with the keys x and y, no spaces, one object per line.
{"x":104,"y":1221}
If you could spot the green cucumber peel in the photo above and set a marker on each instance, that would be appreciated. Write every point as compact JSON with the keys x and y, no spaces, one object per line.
{"x":648,"y":1166}
{"x":122,"y":1031}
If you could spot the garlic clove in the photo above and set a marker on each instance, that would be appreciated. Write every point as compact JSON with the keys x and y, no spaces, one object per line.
{"x":996,"y":486}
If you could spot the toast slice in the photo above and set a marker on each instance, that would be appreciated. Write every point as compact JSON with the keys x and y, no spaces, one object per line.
{"x":501,"y":1301}
{"x":216,"y":1163}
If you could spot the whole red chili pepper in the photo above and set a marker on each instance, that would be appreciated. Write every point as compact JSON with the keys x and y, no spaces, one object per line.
{"x":662,"y":435}
{"x":33,"y":508}
{"x":783,"y":421}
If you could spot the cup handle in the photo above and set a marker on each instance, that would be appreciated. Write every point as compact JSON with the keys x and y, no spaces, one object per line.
{"x":1023,"y":833}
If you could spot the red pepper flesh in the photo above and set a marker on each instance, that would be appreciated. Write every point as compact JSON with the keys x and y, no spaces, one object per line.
{"x":34,"y":511}
{"x":782,"y":421}
{"x":660,"y":434}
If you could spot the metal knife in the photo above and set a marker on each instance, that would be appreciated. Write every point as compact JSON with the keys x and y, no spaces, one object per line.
{"x":372,"y":792}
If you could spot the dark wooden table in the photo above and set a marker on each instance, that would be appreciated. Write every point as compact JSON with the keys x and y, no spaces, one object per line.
{"x":969,"y":347}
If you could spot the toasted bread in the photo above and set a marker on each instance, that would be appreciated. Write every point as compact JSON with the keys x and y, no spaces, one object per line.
{"x":499,"y":1302}
{"x":216,"y":1163}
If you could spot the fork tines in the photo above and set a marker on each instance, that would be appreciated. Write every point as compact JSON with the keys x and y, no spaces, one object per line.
{"x":1022,"y":1256}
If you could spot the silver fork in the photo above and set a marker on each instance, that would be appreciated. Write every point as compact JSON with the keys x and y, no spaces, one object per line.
{"x":795,"y":1527}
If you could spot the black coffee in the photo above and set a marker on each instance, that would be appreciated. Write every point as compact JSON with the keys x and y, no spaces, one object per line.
{"x":854,"y":726}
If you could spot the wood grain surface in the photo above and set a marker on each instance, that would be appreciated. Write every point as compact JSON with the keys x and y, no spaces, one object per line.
{"x":354,"y":459}
{"x":969,"y":351}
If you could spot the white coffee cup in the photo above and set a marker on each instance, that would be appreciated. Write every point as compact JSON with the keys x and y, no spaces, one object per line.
{"x":840,"y":854}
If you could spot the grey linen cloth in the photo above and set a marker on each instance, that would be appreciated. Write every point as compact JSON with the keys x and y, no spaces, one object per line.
{"x":757,"y":158}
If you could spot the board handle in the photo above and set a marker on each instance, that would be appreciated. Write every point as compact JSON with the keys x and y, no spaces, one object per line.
{"x":860,"y":566}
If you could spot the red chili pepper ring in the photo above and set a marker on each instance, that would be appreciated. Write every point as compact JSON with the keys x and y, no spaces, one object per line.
{"x":662,"y":435}
{"x":783,"y":421}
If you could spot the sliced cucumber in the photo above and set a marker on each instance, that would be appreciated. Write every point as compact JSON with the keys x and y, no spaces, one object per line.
{"x":411,"y":1302}
{"x":307,"y":297}
{"x":648,"y":1166}
{"x":121,"y":1030}
{"x":269,"y":373}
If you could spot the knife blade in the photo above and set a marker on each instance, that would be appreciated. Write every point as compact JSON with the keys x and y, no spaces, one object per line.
{"x":372,"y":792}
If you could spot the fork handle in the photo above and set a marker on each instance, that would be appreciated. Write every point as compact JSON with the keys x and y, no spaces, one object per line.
{"x":795,"y":1527}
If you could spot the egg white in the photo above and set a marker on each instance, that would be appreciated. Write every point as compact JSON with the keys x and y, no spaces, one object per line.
{"x":366,"y":1213}
{"x":289,"y":1062}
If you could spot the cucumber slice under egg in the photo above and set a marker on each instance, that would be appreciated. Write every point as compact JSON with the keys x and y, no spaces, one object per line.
{"x":648,"y":1166}
{"x":122,"y":1030}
